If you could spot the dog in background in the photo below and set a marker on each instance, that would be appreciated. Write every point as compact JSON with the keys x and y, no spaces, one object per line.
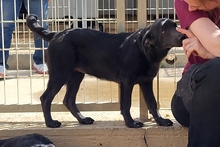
{"x":29,"y":140}
{"x":125,"y":58}
{"x":90,"y":24}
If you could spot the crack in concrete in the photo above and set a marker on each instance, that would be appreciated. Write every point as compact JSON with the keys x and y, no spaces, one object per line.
{"x":145,"y":139}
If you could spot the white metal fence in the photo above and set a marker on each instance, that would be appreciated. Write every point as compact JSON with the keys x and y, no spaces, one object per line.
{"x":21,"y":88}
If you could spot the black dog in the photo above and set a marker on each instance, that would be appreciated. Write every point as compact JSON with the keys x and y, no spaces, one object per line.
{"x":125,"y":58}
{"x":29,"y":140}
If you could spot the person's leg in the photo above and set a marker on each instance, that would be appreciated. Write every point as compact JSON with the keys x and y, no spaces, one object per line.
{"x":40,"y":8}
{"x":37,"y":7}
{"x":179,"y":111}
{"x":181,"y":101}
{"x":7,"y":28}
{"x":204,"y":129}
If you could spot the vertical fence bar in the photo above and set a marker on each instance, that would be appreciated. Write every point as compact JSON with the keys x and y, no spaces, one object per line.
{"x":142,"y":13}
{"x":120,"y":5}
{"x":157,"y":9}
{"x":158,"y":78}
{"x":3,"y":49}
{"x":142,"y":20}
{"x":84,"y":13}
{"x":15,"y":21}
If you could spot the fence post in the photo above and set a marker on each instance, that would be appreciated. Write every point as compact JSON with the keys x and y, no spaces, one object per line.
{"x":142,"y":22}
{"x":120,"y":5}
{"x":142,"y":13}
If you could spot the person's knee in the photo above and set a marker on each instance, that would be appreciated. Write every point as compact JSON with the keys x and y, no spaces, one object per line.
{"x":214,"y":64}
{"x":209,"y":71}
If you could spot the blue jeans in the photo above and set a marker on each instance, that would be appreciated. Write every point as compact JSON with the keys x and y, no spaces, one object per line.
{"x":9,"y":14}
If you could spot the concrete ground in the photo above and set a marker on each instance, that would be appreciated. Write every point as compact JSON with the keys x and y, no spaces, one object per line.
{"x":107,"y":131}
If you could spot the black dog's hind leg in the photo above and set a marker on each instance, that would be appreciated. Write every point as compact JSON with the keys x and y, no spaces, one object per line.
{"x":125,"y":104}
{"x":150,"y":100}
{"x":70,"y":97}
{"x":57,"y":78}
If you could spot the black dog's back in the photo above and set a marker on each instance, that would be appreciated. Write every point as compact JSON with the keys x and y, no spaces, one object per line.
{"x":91,"y":48}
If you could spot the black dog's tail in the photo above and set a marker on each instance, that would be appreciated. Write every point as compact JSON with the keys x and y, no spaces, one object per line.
{"x":38,"y":29}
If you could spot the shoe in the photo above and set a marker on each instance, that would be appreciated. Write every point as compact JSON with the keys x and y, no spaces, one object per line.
{"x":2,"y":69}
{"x":40,"y":68}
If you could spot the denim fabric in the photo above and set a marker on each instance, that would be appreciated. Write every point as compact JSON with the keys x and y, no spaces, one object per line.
{"x":9,"y":14}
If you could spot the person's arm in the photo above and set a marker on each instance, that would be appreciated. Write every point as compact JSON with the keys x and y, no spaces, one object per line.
{"x":204,"y":39}
{"x":199,"y":23}
{"x":208,"y":34}
{"x":192,"y":45}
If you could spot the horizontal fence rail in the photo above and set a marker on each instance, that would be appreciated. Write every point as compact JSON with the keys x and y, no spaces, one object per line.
{"x":21,"y":87}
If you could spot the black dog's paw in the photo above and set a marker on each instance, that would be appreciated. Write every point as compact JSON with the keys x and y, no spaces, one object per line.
{"x":53,"y":124}
{"x":164,"y":122}
{"x":135,"y":124}
{"x":87,"y":121}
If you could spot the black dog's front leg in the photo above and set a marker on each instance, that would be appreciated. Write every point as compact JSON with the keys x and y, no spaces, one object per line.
{"x":125,"y":104}
{"x":150,"y":100}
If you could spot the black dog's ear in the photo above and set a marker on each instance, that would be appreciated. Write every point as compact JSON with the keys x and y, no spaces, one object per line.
{"x":148,"y":39}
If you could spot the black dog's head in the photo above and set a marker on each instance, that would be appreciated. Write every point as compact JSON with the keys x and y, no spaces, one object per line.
{"x":162,"y":34}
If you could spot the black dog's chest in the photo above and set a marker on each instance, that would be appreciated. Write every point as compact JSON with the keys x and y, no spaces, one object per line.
{"x":148,"y":74}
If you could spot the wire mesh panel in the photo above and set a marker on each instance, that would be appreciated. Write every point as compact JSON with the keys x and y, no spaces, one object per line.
{"x":16,"y":84}
{"x":22,"y":87}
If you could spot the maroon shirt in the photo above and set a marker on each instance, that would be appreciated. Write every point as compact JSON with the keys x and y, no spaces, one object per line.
{"x":186,"y":18}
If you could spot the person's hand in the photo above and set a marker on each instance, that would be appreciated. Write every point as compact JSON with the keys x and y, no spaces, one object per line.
{"x":192,"y":45}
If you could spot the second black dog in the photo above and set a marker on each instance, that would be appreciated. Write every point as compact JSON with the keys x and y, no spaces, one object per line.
{"x":29,"y":140}
{"x":125,"y":58}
